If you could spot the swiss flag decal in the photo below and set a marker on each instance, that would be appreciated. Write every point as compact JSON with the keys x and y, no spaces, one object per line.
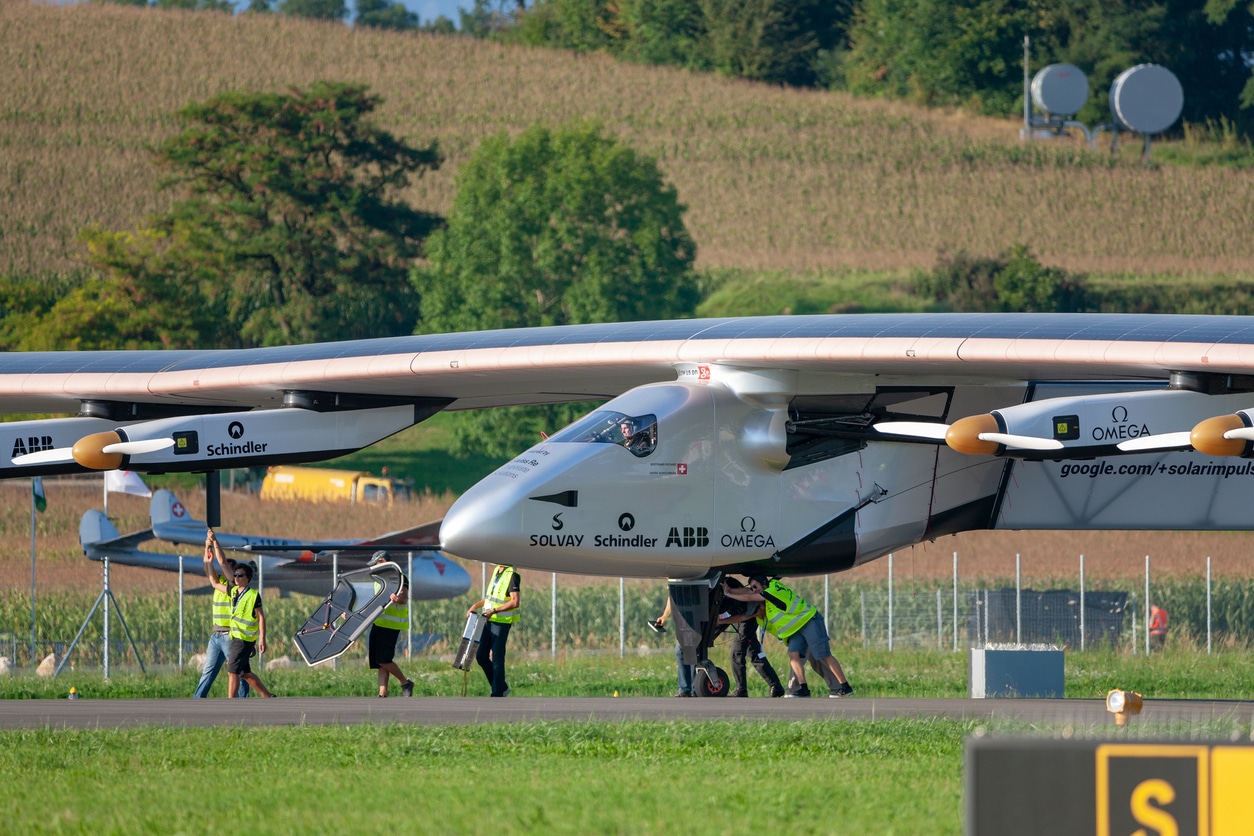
{"x":682,"y":468}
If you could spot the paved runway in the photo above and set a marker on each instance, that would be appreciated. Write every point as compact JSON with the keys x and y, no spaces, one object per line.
{"x":433,"y":711}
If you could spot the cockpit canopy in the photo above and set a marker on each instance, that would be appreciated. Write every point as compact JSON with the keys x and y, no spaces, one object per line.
{"x":637,"y":433}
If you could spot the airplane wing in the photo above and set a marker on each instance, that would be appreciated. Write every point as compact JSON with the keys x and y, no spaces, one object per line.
{"x":795,"y":445}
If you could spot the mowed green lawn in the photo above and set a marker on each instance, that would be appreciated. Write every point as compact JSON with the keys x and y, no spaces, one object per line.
{"x":901,"y":777}
{"x":884,"y":777}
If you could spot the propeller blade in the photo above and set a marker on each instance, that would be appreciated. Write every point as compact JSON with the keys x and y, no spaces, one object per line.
{"x":54,"y":456}
{"x":1244,"y":433}
{"x":917,"y":429}
{"x":1162,"y":441}
{"x":1022,"y":442}
{"x":133,"y":448}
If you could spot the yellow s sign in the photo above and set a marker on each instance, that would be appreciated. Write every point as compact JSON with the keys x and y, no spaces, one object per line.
{"x":1147,"y":794}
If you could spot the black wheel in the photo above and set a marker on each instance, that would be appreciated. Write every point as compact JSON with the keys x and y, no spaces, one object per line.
{"x":706,"y":688}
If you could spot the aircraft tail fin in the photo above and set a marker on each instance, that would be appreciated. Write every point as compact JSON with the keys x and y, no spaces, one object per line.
{"x":98,"y":535}
{"x":95,"y":528}
{"x":171,"y":520}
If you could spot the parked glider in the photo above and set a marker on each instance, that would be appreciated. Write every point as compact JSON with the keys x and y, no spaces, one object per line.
{"x":288,"y":565}
{"x":787,"y":445}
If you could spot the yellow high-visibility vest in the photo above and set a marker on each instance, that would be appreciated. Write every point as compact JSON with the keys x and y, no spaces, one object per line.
{"x":222,"y":607}
{"x":783,"y":623}
{"x":498,"y":595}
{"x":244,"y":622}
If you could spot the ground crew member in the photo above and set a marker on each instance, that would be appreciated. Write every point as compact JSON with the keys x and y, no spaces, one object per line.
{"x":746,"y":646}
{"x":248,"y":631}
{"x":500,"y":606}
{"x":1157,"y":626}
{"x":788,"y":617}
{"x":384,"y":632}
{"x":219,"y":646}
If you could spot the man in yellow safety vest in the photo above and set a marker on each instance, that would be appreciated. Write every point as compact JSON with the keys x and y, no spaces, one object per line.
{"x":248,"y":629}
{"x":220,"y":639}
{"x":789,"y":618}
{"x":384,"y":632}
{"x":500,"y":607}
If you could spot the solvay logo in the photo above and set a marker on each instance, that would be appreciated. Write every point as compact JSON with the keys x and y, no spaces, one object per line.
{"x":558,"y":525}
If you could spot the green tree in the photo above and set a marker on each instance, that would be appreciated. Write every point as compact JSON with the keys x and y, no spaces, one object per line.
{"x":384,"y":14}
{"x":314,"y":9}
{"x":1013,"y":281}
{"x":557,"y":227}
{"x":288,"y":229}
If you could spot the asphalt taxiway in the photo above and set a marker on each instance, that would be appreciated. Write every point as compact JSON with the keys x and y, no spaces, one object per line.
{"x":441,"y":711}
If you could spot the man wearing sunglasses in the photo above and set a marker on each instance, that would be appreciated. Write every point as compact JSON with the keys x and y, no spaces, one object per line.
{"x":220,"y":639}
{"x":248,"y":629}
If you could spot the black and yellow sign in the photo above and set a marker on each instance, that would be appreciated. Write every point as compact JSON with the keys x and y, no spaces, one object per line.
{"x":1109,"y":789}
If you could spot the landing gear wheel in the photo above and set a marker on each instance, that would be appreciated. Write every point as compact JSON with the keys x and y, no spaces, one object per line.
{"x":706,"y":688}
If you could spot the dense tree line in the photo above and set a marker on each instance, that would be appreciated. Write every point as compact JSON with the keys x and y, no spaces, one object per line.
{"x":936,"y":52}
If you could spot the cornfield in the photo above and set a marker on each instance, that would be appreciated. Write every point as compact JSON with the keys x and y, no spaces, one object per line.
{"x":775,"y":179}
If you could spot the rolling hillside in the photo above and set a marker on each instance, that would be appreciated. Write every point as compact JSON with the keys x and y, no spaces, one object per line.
{"x":775,"y":179}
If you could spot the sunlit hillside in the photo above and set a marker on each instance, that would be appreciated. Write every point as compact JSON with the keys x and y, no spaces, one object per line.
{"x":773,"y":178}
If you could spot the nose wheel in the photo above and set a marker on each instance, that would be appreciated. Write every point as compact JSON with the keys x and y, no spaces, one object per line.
{"x":711,"y":686}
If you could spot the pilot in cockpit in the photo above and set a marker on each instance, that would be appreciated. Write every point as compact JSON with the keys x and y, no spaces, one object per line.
{"x":639,"y":440}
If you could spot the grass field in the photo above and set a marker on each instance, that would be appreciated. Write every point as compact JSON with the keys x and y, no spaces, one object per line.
{"x":893,"y":777}
{"x":775,"y":179}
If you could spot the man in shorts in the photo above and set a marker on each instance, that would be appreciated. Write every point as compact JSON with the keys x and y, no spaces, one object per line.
{"x":248,"y":630}
{"x":789,"y":618}
{"x":384,"y":632}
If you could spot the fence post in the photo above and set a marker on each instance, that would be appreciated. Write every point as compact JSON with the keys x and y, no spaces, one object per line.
{"x":409,"y":611}
{"x":890,"y":602}
{"x":180,"y":612}
{"x":622,"y":619}
{"x":1147,"y":606}
{"x":862,"y":595}
{"x":940,"y":622}
{"x":827,"y":598}
{"x":553,"y":620}
{"x":1018,"y":602}
{"x":1207,"y":605}
{"x":955,"y":602}
{"x":1081,"y":602}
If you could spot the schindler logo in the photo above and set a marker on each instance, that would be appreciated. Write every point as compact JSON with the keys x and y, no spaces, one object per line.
{"x":688,"y":537}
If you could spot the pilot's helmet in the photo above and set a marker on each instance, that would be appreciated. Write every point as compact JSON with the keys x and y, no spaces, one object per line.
{"x":628,"y":426}
{"x":379,"y":557}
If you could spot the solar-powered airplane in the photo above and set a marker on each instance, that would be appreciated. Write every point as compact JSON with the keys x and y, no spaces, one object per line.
{"x":785,"y":445}
{"x":287,"y":565}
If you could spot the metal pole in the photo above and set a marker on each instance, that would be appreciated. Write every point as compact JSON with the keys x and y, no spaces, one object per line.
{"x":553,"y":620}
{"x":986,"y":636}
{"x":1081,"y":602}
{"x":955,"y":602}
{"x":261,"y":586}
{"x":335,"y":581}
{"x":1147,"y":606}
{"x":940,"y":622}
{"x":622,"y":619}
{"x":890,"y":601}
{"x":180,"y":612}
{"x":1207,"y":605}
{"x":107,"y":598}
{"x":33,"y":662}
{"x":1027,"y":99}
{"x":862,"y":595}
{"x":1018,"y":601}
{"x":827,"y":598}
{"x":409,"y":610}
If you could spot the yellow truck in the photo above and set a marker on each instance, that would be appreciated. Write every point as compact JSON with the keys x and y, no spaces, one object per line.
{"x":322,"y":485}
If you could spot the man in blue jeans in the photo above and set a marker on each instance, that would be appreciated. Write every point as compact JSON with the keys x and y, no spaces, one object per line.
{"x":220,"y":638}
